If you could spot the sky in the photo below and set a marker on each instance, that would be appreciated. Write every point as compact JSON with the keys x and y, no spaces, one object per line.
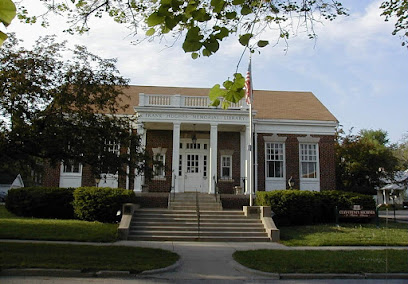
{"x":356,"y":67}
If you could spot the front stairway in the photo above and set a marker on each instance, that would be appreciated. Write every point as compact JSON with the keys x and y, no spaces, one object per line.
{"x":195,"y":217}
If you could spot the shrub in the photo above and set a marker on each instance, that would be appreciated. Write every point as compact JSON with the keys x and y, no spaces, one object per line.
{"x":100,"y":203}
{"x":230,"y":201}
{"x":41,"y":202}
{"x":294,"y":207}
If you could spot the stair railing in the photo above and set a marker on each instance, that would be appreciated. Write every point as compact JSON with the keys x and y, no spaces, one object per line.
{"x":172,"y":193}
{"x":198,"y":215}
{"x":215,"y":188}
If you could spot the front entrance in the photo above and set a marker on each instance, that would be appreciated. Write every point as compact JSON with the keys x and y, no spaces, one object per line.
{"x":194,"y":165}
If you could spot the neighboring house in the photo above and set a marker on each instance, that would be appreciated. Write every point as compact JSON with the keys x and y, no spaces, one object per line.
{"x":9,"y":181}
{"x":202,"y":146}
{"x":394,"y":192}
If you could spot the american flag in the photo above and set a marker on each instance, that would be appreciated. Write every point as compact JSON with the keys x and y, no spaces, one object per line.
{"x":248,"y":85}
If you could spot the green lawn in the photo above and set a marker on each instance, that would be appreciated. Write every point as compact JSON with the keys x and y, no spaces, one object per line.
{"x":348,"y":234}
{"x":308,"y":261}
{"x":13,"y":227}
{"x":84,"y":258}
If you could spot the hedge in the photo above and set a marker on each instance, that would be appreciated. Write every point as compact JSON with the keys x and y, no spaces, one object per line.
{"x":100,"y":203}
{"x":41,"y":202}
{"x":295,"y":207}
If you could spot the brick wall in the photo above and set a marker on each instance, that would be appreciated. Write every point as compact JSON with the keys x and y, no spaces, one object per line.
{"x":164,"y":139}
{"x":229,"y":141}
{"x":326,"y":160}
{"x":51,"y":175}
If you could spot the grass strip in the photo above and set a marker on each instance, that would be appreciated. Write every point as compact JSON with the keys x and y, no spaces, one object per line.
{"x":307,"y":261}
{"x":19,"y":228}
{"x":84,"y":257}
{"x":348,"y":234}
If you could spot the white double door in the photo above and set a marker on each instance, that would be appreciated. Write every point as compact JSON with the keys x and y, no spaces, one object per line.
{"x":194,"y":166}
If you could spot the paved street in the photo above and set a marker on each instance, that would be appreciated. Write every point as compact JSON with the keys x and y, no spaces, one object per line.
{"x":400,"y":215}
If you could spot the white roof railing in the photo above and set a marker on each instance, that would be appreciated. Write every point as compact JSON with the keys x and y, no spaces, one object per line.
{"x":179,"y":101}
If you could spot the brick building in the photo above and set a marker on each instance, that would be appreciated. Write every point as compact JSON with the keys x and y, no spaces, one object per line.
{"x":201,"y":146}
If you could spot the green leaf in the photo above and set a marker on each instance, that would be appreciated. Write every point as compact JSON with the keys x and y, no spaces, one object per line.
{"x":212,"y":44}
{"x":150,"y":32}
{"x":154,"y":19}
{"x":3,"y":37}
{"x":238,"y":2}
{"x":206,"y":52}
{"x":227,"y":84}
{"x":215,"y":92}
{"x":201,"y":15}
{"x":215,"y":103}
{"x":263,"y":43}
{"x":194,"y":55}
{"x":244,"y":39}
{"x":170,"y":22}
{"x":246,"y":10}
{"x":7,"y":11}
{"x":225,"y":104}
{"x":231,"y":15}
{"x":223,"y":32}
{"x":218,"y":5}
{"x":192,"y":41}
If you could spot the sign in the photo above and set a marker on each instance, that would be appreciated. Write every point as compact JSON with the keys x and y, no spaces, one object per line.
{"x":357,"y":213}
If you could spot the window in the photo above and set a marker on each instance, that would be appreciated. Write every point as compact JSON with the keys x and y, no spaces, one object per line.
{"x":205,"y":166}
{"x":192,"y":163}
{"x":275,"y":159}
{"x":112,"y":147}
{"x":308,"y":160}
{"x":71,"y":167}
{"x":158,"y":167}
{"x":226,"y":167}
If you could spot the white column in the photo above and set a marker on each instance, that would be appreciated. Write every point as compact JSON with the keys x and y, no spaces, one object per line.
{"x":247,"y":159}
{"x":243,"y":157}
{"x":213,"y":157}
{"x":139,"y":180}
{"x":176,"y":156}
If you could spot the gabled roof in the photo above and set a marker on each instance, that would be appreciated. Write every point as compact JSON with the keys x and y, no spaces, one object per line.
{"x":267,"y":104}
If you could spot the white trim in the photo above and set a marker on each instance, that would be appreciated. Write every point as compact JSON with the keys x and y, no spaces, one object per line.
{"x":274,"y":183}
{"x":315,"y":127}
{"x":308,"y":139}
{"x":275,"y":138}
{"x":312,"y":184}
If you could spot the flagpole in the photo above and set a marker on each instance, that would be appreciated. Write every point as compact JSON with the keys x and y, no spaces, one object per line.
{"x":250,"y":184}
{"x":250,"y":147}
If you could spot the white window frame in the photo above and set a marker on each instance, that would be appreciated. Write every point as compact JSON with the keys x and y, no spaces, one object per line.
{"x":222,"y":166}
{"x":64,"y":168}
{"x":283,"y":160}
{"x":159,"y":154}
{"x":159,"y":172}
{"x":309,"y":159}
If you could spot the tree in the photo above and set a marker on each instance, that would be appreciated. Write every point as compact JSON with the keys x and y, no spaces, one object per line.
{"x":54,"y":110}
{"x":203,"y":24}
{"x":7,"y":14}
{"x":364,"y":161}
{"x":401,"y":152}
{"x":397,"y":9}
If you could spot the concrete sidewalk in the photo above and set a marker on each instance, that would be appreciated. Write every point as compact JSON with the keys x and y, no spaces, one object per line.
{"x":213,"y":261}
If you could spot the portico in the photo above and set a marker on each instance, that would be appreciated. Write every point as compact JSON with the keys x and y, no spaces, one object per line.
{"x":192,"y":165}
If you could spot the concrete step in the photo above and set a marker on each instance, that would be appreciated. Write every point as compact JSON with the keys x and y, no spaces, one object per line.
{"x":198,"y":238}
{"x":196,"y":232}
{"x":214,"y":220}
{"x":194,"y":227}
{"x":193,"y":223}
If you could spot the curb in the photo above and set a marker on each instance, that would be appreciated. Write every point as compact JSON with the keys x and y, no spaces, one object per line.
{"x":78,"y":273}
{"x":161,"y":270}
{"x":296,"y":276}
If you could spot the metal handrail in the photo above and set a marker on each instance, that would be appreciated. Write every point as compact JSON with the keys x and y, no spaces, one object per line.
{"x":198,"y":215}
{"x":215,"y":188}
